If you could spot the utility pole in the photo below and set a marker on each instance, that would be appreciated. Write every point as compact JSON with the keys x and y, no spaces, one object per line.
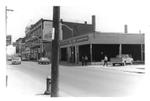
{"x":55,"y":52}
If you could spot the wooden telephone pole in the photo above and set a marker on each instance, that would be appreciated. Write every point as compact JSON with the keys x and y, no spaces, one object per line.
{"x":55,"y":52}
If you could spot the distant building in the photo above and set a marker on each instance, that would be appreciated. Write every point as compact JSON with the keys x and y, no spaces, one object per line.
{"x":8,"y":40}
{"x":19,"y":42}
{"x":38,"y":39}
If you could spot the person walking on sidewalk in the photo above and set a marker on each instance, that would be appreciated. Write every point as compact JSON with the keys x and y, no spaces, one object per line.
{"x":83,"y":60}
{"x":105,"y":61}
{"x":86,"y":60}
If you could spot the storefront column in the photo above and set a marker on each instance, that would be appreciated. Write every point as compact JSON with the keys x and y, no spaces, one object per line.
{"x":91,"y":57}
{"x":142,"y":52}
{"x":42,"y":47}
{"x":120,"y":49}
{"x":60,"y":54}
{"x":69,"y":54}
{"x":76,"y":54}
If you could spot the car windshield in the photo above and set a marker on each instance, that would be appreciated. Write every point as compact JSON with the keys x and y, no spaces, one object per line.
{"x":123,"y":56}
{"x":16,"y":58}
{"x":44,"y":58}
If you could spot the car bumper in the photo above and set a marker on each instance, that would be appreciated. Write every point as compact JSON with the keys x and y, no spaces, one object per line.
{"x":16,"y":62}
{"x":43,"y":62}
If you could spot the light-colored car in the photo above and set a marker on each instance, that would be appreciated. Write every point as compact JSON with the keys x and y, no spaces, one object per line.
{"x":122,"y":59}
{"x":16,"y":60}
{"x":9,"y":58}
{"x":43,"y":60}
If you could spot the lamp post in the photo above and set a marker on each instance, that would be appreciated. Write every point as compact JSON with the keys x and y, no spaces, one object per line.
{"x":6,"y":10}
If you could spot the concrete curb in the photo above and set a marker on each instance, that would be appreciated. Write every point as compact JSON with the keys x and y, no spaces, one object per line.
{"x":122,"y":68}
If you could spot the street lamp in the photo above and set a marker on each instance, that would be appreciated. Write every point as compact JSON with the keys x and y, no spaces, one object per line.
{"x":6,"y":10}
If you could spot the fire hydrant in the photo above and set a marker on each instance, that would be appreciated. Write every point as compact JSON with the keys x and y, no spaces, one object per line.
{"x":48,"y":86}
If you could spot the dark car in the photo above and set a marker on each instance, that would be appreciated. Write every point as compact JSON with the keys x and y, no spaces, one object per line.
{"x":43,"y":60}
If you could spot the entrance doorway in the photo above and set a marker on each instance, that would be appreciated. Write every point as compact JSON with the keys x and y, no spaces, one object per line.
{"x":64,"y":54}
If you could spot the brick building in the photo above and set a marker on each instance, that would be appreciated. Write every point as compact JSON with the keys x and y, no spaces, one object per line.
{"x":39,"y":36}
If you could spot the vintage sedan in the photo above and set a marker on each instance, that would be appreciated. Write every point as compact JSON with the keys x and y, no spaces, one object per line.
{"x":122,"y":60}
{"x":16,"y":60}
{"x":43,"y":60}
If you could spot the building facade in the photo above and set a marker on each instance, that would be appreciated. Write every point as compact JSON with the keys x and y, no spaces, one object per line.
{"x":19,"y":42}
{"x":98,"y":44}
{"x":38,"y":40}
{"x":39,"y":36}
{"x":81,"y":39}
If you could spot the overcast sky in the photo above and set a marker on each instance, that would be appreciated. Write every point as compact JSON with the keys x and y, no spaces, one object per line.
{"x":111,"y":15}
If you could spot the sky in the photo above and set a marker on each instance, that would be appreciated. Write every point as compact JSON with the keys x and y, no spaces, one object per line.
{"x":111,"y":15}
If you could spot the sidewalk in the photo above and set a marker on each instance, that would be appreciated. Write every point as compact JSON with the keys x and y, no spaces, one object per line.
{"x":22,"y":84}
{"x":140,"y":69}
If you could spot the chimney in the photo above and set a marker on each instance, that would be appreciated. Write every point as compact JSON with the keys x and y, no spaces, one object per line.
{"x":85,"y":22}
{"x":125,"y":28}
{"x":93,"y":22}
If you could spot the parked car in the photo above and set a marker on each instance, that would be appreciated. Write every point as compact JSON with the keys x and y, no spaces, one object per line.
{"x":16,"y":60}
{"x":121,"y":59}
{"x":43,"y":60}
{"x":9,"y":58}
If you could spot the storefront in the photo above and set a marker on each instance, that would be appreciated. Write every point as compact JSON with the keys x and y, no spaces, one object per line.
{"x":96,"y":45}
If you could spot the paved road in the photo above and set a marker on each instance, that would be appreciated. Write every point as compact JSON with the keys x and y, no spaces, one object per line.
{"x":30,"y":78}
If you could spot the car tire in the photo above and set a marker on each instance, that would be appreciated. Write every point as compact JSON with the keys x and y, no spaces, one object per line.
{"x":113,"y":64}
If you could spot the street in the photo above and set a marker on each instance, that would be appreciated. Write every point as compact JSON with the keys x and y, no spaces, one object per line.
{"x":29,"y":78}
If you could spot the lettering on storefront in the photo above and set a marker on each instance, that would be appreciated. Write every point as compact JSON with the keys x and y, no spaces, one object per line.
{"x":77,"y":40}
{"x":82,"y":39}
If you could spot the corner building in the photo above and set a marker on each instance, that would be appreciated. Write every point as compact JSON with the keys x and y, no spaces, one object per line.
{"x":96,"y":45}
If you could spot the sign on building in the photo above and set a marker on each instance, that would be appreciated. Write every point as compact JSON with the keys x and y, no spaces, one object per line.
{"x":47,"y":30}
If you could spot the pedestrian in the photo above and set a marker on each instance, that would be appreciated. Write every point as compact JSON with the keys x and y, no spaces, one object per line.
{"x":105,"y":61}
{"x":83,"y":60}
{"x":86,"y":60}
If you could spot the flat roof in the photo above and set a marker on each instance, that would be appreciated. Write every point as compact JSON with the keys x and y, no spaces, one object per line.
{"x":117,"y":38}
{"x":105,"y":38}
